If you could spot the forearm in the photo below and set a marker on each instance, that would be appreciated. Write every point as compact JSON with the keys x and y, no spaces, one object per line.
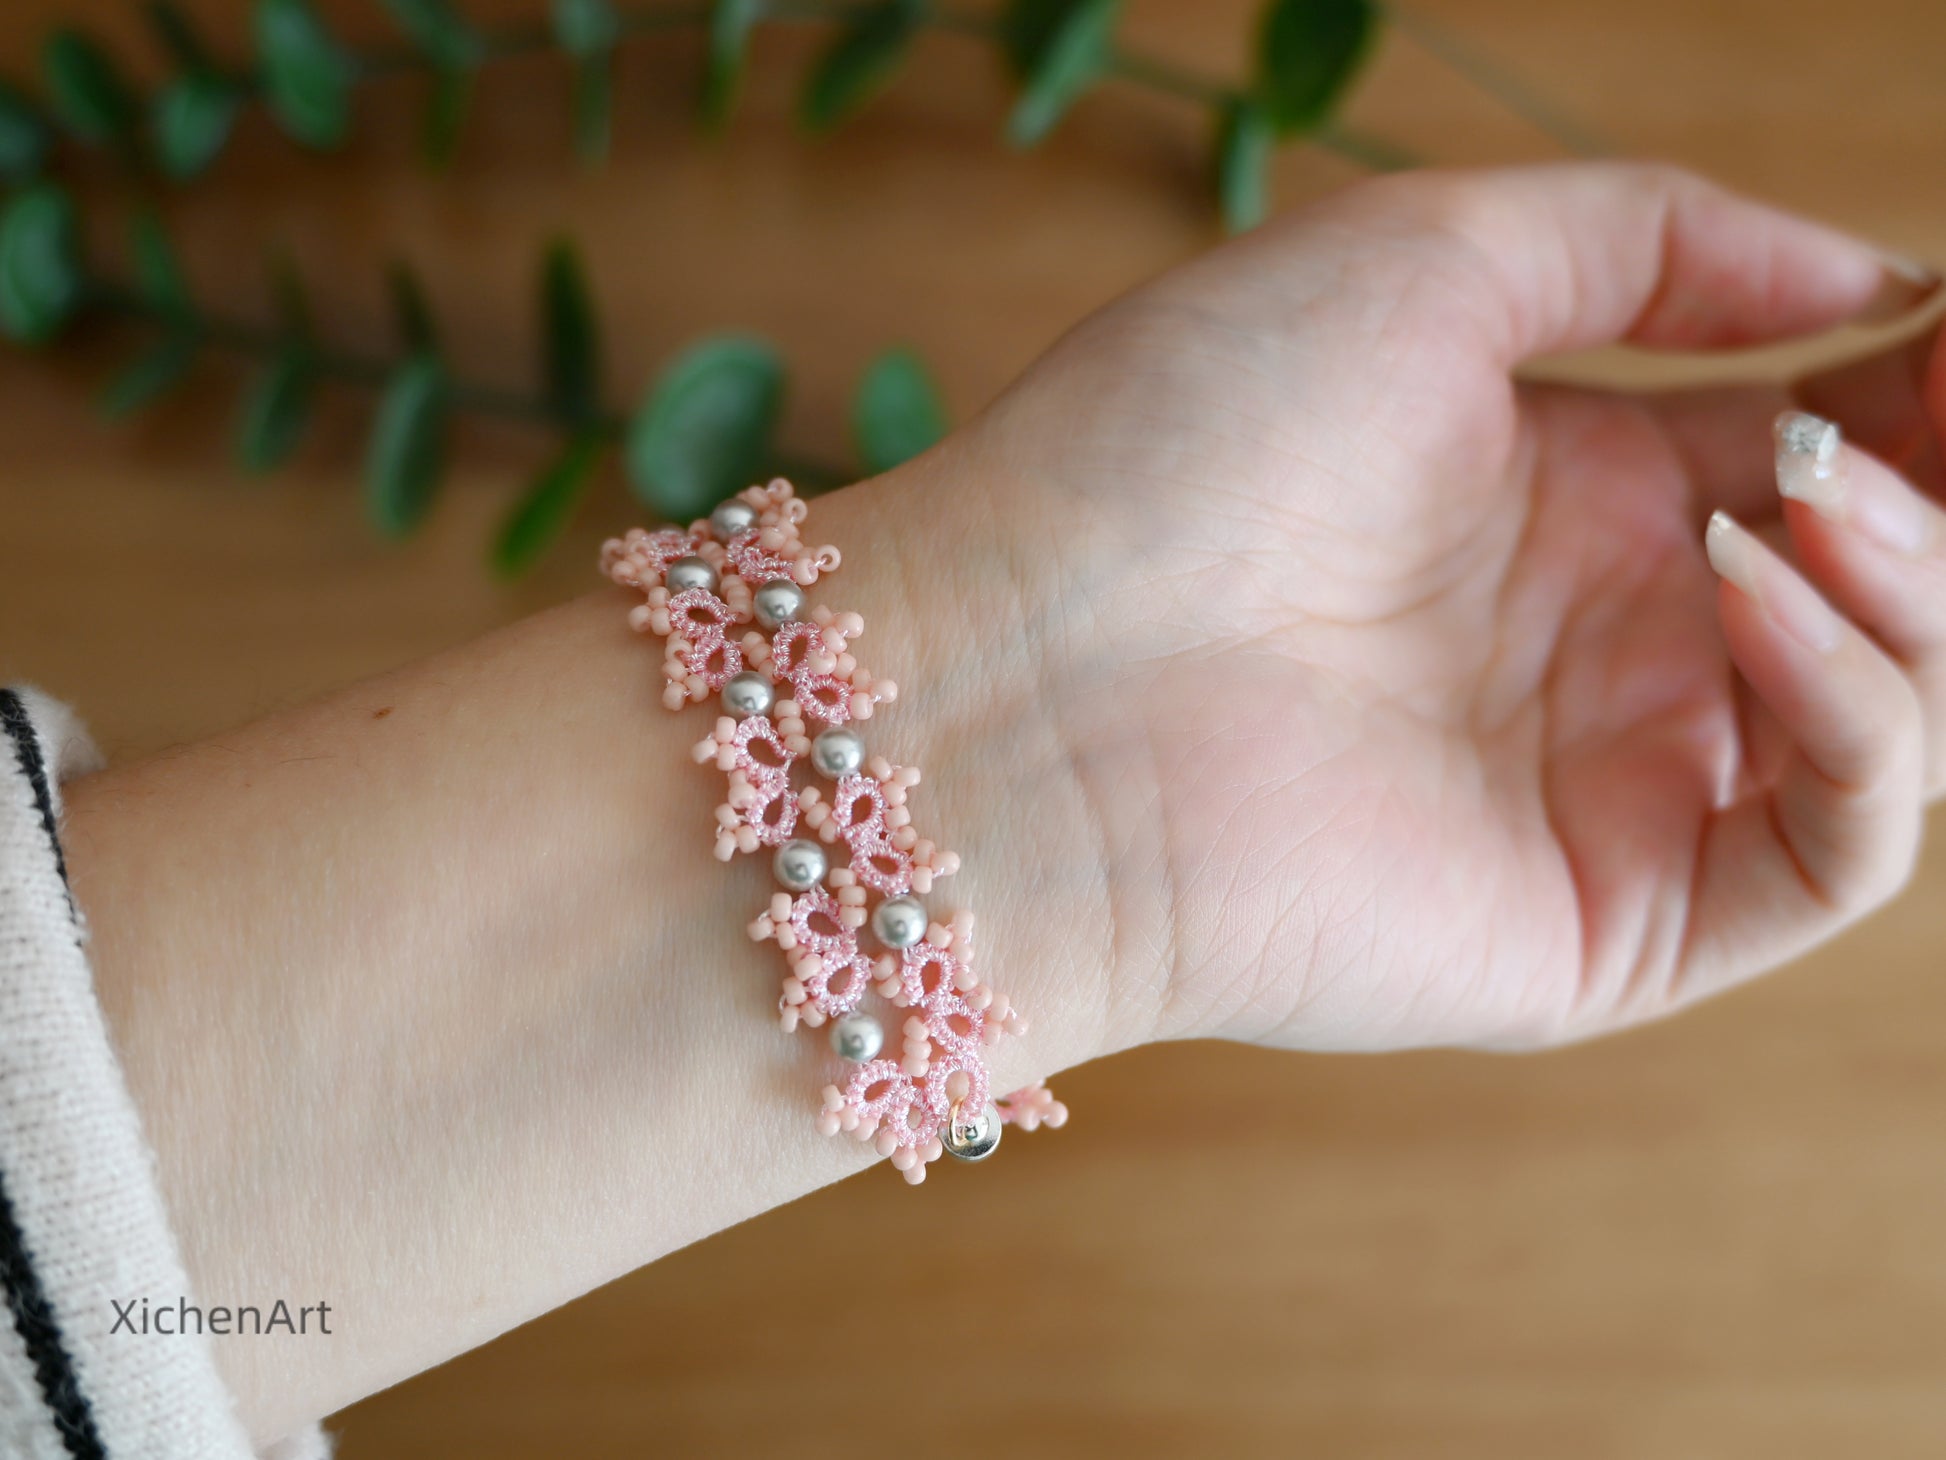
{"x":438,"y":1008}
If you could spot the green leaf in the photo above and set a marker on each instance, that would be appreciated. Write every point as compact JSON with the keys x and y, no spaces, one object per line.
{"x":454,"y":47}
{"x":705,"y":429}
{"x":898,"y":412}
{"x":150,"y":377}
{"x":588,"y":31}
{"x":417,"y":331}
{"x":1061,"y":47}
{"x":408,"y":448}
{"x":307,"y":75}
{"x":448,"y":40}
{"x":179,"y":37}
{"x":41,"y":280}
{"x":1027,"y":28}
{"x":24,"y":136}
{"x":540,"y":517}
{"x":730,"y":23}
{"x":158,"y":275}
{"x":586,"y":28}
{"x":452,"y":86}
{"x":859,"y":62}
{"x":87,"y":89}
{"x":192,"y":120}
{"x":1244,"y":143}
{"x":276,"y":411}
{"x":1307,"y":53}
{"x":573,"y":340}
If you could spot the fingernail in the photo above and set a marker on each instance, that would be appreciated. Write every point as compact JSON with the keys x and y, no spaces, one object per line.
{"x":1732,"y":554}
{"x":1783,"y":598}
{"x":1810,"y":468}
{"x":1904,"y":285}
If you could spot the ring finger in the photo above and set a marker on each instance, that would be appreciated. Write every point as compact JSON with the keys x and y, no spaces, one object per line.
{"x":1876,"y":547}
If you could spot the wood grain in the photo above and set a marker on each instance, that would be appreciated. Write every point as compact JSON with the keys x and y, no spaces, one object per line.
{"x":1721,"y":1237}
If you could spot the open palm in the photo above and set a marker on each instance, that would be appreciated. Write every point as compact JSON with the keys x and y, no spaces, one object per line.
{"x":1416,"y":683}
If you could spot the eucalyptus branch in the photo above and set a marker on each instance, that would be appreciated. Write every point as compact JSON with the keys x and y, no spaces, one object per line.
{"x":1173,"y":80}
{"x":1308,"y":53}
{"x":707,"y":426}
{"x":369,"y":371}
{"x":708,"y":423}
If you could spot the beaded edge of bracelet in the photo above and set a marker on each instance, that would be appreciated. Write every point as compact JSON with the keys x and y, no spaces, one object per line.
{"x":726,"y":595}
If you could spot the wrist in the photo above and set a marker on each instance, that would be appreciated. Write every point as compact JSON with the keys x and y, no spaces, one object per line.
{"x":402,"y":977}
{"x":944,"y":561}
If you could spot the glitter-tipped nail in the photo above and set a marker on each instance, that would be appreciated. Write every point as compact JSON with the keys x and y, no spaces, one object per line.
{"x":1810,"y":464}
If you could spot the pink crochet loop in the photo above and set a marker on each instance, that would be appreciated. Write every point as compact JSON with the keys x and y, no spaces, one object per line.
{"x":929,"y":977}
{"x":698,"y":644}
{"x":901,"y":1105}
{"x":828,"y":975}
{"x":857,"y":814}
{"x":884,"y":1098}
{"x":754,"y":563}
{"x":760,"y":800}
{"x":955,"y":1080}
{"x":813,"y":656}
{"x":956,"y":1028}
{"x":800,"y":658}
{"x":868,"y":813}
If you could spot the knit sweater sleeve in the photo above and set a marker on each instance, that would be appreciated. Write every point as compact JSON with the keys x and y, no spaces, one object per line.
{"x":83,"y":1232}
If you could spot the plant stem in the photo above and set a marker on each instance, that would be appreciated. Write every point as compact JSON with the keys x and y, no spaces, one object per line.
{"x":1365,"y":149}
{"x":1496,"y":81}
{"x":371,"y":372}
{"x":1132,"y":67}
{"x":1168,"y":78}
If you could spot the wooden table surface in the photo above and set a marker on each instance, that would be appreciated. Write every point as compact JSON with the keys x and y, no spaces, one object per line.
{"x":1725,"y":1236}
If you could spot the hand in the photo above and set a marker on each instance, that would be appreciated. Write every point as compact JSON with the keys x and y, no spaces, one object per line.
{"x":1401,"y":697}
{"x":1281,"y":668}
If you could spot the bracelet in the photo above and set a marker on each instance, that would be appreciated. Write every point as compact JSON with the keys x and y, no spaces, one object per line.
{"x":791,"y":669}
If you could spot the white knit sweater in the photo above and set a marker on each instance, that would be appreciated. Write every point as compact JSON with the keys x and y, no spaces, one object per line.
{"x":82,"y":1226}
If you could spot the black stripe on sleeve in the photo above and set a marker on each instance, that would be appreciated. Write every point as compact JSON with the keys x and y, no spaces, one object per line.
{"x":34,"y":1322}
{"x":33,"y":1316}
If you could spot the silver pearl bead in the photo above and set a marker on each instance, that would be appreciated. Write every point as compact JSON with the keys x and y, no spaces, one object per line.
{"x":799,"y":864}
{"x":747,"y":694}
{"x":732,"y":517}
{"x":975,"y":1138}
{"x":899,"y":922}
{"x":779,"y":601}
{"x":838,"y":752}
{"x":857,"y":1037}
{"x":687,"y":573}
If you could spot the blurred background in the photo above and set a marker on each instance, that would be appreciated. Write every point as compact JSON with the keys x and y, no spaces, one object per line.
{"x":1721,"y":1237}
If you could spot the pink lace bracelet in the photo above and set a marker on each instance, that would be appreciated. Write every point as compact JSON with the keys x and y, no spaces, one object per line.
{"x":792,"y":670}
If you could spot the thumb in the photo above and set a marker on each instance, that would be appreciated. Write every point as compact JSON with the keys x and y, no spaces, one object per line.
{"x":1577,"y":255}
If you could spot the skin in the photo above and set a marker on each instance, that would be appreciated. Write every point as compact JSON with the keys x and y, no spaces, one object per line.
{"x":1283,"y":669}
